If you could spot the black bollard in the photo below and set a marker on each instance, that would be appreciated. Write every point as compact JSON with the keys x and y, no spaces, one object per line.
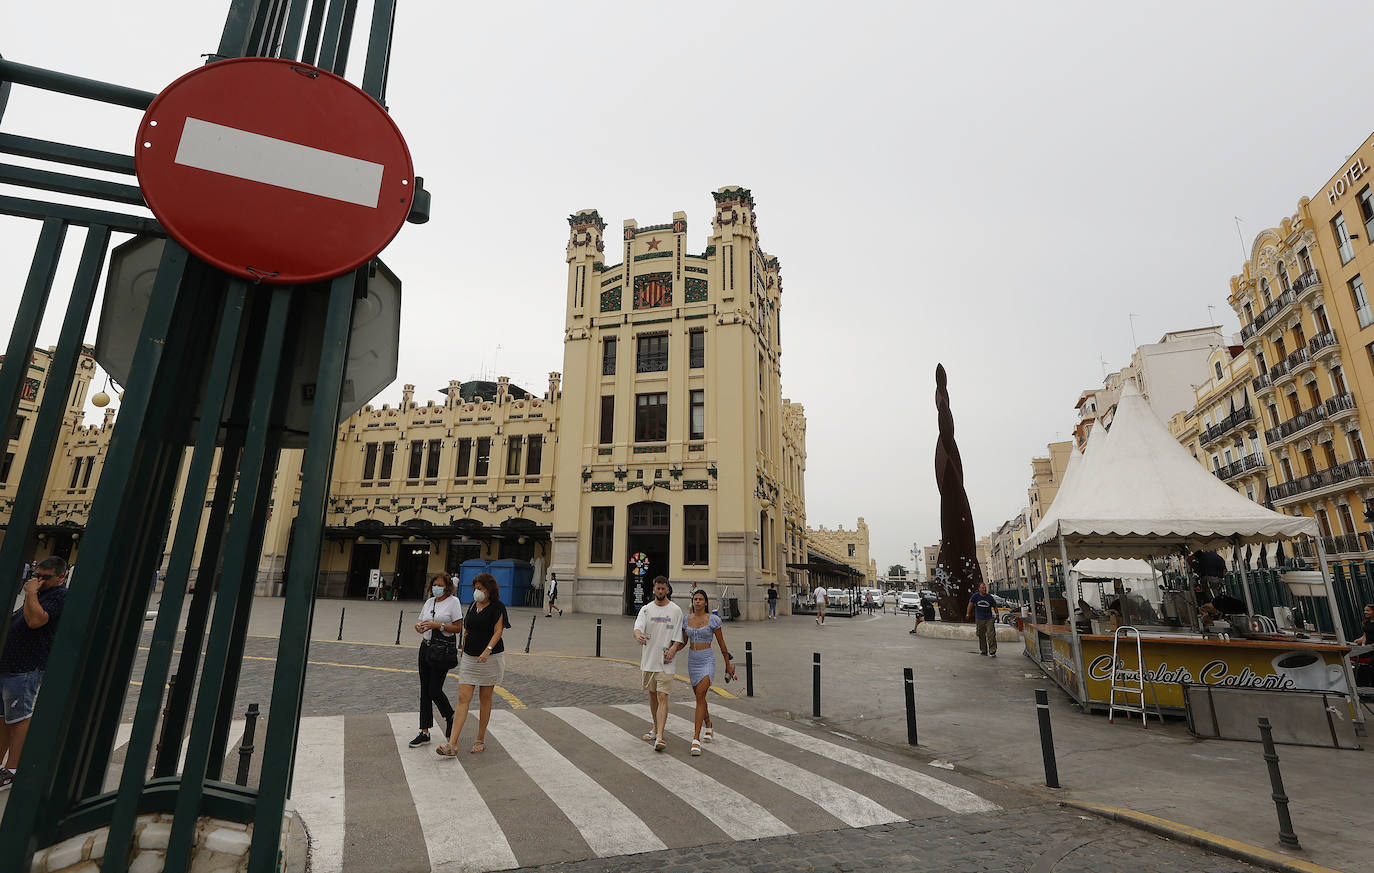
{"x":816,"y":684}
{"x":910,"y":705}
{"x":1286,"y":835}
{"x":530,"y":638}
{"x":400,"y":618}
{"x":341,"y":616}
{"x":748,"y":669}
{"x":598,"y":637}
{"x":1042,"y":706}
{"x":250,"y":725}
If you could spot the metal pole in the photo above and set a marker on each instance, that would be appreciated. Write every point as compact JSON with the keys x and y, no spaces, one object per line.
{"x":250,"y":726}
{"x":910,"y":705}
{"x":341,"y":618}
{"x":1073,"y":626}
{"x":400,"y":618}
{"x":1340,"y":638}
{"x":748,"y":669}
{"x":1286,"y":835}
{"x":598,"y":637}
{"x":1244,"y":579}
{"x":530,"y":638}
{"x":816,"y":684}
{"x":1042,"y":708}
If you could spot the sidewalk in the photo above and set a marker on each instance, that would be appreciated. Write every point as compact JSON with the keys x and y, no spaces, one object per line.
{"x":978,"y":715}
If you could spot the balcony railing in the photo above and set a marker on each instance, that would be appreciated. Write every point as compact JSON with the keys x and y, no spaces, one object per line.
{"x":1300,"y":422}
{"x":1322,"y":479}
{"x":1243,"y":465}
{"x":1340,"y":403}
{"x":1306,"y":282}
{"x":1228,"y":424}
{"x":1262,"y":382}
{"x":651,"y":363}
{"x":1322,"y":341}
{"x":1284,"y":367}
{"x":1266,"y":314}
{"x":608,"y":366}
{"x":1344,"y":543}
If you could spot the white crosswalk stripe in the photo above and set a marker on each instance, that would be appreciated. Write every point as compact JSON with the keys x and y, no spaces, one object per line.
{"x":847,"y":805}
{"x":608,"y":826}
{"x":419,"y":811}
{"x":951,"y":797}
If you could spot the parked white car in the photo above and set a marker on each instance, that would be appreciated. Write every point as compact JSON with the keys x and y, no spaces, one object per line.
{"x":909,"y":600}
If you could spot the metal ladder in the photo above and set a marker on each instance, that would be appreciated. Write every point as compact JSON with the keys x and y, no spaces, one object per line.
{"x":1125,"y":689}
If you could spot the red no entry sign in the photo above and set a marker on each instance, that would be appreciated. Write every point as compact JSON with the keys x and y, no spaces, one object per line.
{"x":274,"y":170}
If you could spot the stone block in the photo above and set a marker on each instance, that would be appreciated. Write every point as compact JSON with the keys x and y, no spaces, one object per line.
{"x":98,"y":844}
{"x":227,"y":841}
{"x":82,"y":867}
{"x":147,"y":862}
{"x":155,"y":835}
{"x":69,"y":853}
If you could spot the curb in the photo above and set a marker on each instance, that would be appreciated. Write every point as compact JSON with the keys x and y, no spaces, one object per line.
{"x":1203,"y":839}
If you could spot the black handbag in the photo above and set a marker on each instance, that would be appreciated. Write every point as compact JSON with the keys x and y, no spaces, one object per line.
{"x":442,"y":650}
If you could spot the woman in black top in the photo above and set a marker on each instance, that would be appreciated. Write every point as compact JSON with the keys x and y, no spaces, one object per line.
{"x":483,"y":663}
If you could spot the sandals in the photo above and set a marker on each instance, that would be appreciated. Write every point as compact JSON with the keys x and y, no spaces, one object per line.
{"x":649,"y":737}
{"x":708,"y":734}
{"x":447,"y":750}
{"x":478,"y":746}
{"x":696,"y":747}
{"x":659,"y":745}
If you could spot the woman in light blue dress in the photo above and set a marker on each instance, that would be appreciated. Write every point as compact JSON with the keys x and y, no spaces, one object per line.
{"x":700,"y":627}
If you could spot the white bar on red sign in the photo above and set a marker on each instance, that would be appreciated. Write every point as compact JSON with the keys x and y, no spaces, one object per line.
{"x":257,"y":158}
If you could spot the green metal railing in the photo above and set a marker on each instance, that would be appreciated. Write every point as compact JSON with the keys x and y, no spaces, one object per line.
{"x":211,"y":370}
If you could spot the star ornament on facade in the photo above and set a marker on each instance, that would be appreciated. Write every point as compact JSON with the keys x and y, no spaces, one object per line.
{"x":654,"y":243}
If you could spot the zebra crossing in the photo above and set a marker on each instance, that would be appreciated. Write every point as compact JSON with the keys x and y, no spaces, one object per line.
{"x":570,"y":783}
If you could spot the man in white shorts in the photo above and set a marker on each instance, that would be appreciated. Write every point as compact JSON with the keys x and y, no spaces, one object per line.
{"x":658,"y":628}
{"x":820,"y":595}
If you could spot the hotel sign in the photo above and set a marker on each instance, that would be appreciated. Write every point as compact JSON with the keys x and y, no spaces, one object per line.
{"x":1345,"y":181}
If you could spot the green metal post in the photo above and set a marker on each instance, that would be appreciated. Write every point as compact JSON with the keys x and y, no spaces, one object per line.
{"x":298,"y":611}
{"x":141,"y":738}
{"x":378,"y":62}
{"x":291,"y":37}
{"x":239,"y":565}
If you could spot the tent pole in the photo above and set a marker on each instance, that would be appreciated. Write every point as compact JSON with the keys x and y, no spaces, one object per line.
{"x":1244,"y":579}
{"x":1073,"y":627}
{"x":1045,"y":587}
{"x":1340,"y":637}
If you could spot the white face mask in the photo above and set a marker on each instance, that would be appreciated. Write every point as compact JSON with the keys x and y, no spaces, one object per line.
{"x":478,"y":595}
{"x":437,"y":590}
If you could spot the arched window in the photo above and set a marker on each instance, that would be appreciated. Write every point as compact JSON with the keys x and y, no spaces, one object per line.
{"x":1283,"y":277}
{"x":1264,"y":291}
{"x":1217,"y":366}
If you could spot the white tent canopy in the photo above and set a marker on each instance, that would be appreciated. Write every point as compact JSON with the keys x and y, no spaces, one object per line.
{"x":1138,"y":575}
{"x":1139,"y":493}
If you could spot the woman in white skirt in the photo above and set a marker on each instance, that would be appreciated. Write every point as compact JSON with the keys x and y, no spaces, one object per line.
{"x":483,"y":663}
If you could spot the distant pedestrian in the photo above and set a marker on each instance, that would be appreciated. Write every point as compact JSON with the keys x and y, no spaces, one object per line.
{"x":440,"y":620}
{"x":699,"y":629}
{"x":658,"y":628}
{"x":32,"y":629}
{"x":869,"y":603}
{"x":820,"y":595}
{"x":983,"y":610}
{"x":483,"y":663}
{"x":553,"y":597}
{"x":772,"y":600}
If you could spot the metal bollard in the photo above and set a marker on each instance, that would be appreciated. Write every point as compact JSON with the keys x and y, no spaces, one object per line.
{"x":748,"y":669}
{"x":400,"y":618}
{"x":910,"y":679}
{"x":816,"y":684}
{"x":341,"y":616}
{"x":1286,"y":835}
{"x":530,"y":638}
{"x":598,"y":637}
{"x":246,"y":746}
{"x":1042,"y":706}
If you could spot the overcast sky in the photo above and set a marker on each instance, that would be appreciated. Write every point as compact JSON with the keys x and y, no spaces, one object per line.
{"x":994,"y":186}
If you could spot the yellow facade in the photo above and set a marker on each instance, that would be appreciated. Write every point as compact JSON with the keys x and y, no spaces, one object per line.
{"x":846,"y":546}
{"x":1047,"y":474}
{"x":1224,"y":430}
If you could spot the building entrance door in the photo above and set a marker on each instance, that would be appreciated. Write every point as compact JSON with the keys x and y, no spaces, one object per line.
{"x":412,"y":565}
{"x":647,"y":543}
{"x":366,"y":558}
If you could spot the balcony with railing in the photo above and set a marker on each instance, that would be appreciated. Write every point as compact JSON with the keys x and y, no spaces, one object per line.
{"x":1262,"y":383}
{"x":1306,"y":283}
{"x":1226,"y":425}
{"x":1296,"y":425}
{"x":1290,"y":366}
{"x":1331,"y":479}
{"x":1241,"y":466}
{"x":1323,"y":344}
{"x":1267,"y":314}
{"x":1341,"y":406}
{"x":651,"y":362}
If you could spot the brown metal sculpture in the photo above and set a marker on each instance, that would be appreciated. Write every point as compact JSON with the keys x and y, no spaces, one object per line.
{"x":957,"y":574}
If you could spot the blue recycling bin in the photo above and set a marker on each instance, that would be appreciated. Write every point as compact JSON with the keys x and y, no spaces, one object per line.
{"x":513,"y":578}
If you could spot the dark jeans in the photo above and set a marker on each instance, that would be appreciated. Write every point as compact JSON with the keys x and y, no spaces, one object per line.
{"x":432,"y":691}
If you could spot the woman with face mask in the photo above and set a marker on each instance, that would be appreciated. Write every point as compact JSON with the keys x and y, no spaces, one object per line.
{"x":483,"y":664}
{"x":440,"y":619}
